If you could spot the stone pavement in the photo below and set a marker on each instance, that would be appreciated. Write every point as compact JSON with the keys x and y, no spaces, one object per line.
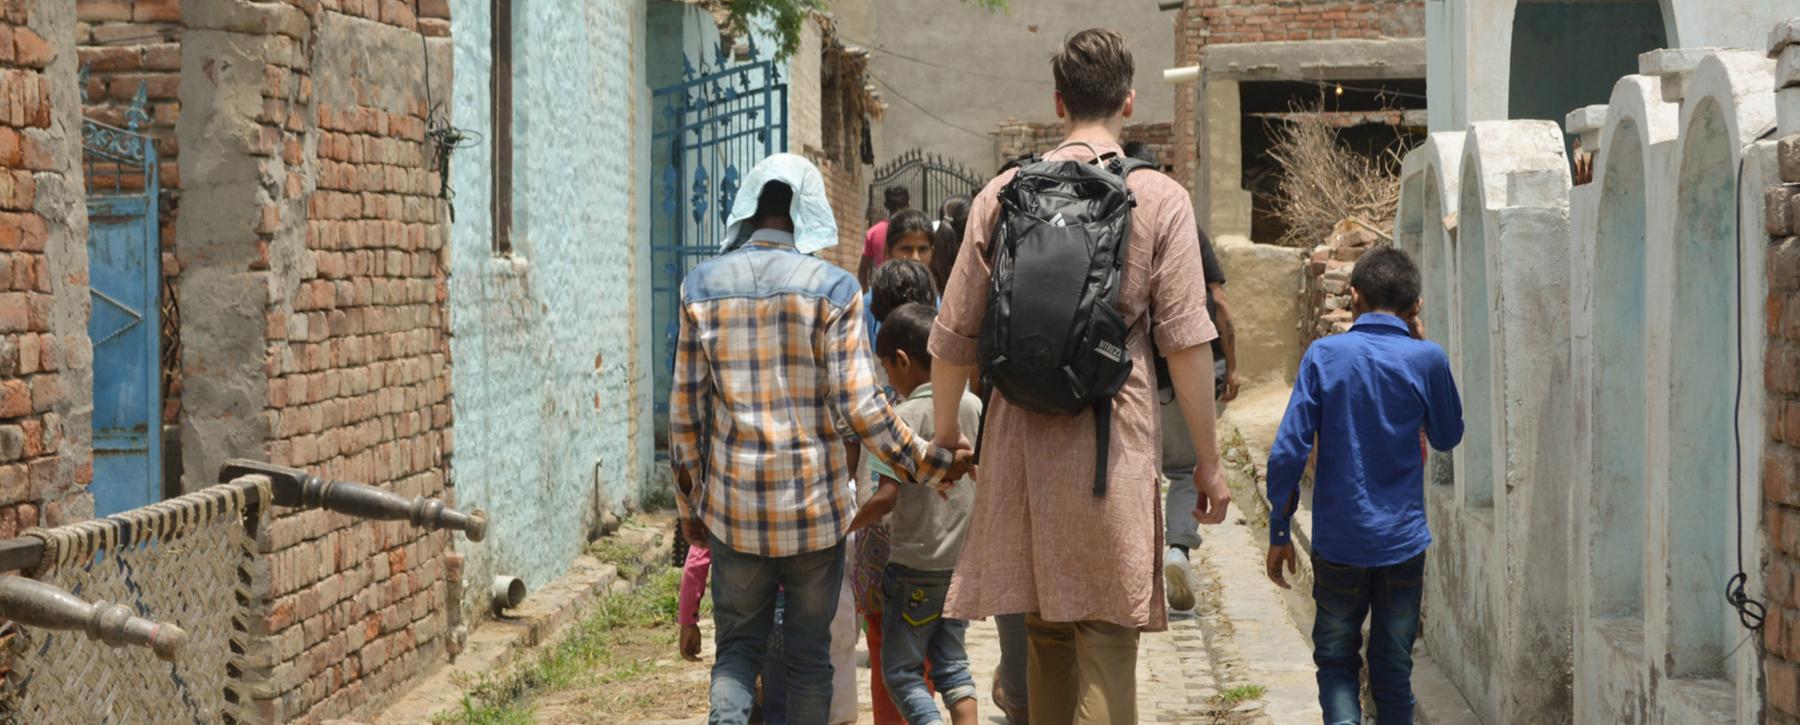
{"x":1240,"y":635}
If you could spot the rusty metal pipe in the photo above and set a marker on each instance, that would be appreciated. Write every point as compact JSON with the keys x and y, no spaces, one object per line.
{"x":35,"y":604}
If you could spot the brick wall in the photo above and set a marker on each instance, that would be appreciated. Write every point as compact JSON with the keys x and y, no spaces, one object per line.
{"x":45,"y":464}
{"x":1325,"y":294}
{"x":849,"y":201}
{"x":337,"y":227}
{"x":1201,"y":23}
{"x":1781,"y":460}
{"x":1014,"y":138}
{"x":125,"y":45}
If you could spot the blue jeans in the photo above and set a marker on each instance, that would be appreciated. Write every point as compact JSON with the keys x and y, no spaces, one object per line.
{"x":1389,"y":596}
{"x":774,"y":672}
{"x":743,"y":589}
{"x":913,"y":629}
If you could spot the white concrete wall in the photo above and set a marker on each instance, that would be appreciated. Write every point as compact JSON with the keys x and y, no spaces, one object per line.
{"x":1612,"y":342}
{"x":1470,"y":47}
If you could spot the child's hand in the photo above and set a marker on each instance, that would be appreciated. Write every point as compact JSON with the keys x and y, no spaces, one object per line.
{"x":690,"y":642}
{"x":694,"y":530}
{"x":1279,"y":555}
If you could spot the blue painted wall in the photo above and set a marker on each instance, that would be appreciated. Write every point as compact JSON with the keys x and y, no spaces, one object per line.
{"x":549,"y":375}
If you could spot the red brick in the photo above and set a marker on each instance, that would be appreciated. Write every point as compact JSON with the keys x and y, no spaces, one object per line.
{"x":15,"y":399}
{"x":30,"y":49}
{"x":110,"y":58}
{"x":163,"y":56}
{"x":11,"y":148}
{"x":99,"y":11}
{"x":46,"y":392}
{"x":1784,"y":686}
{"x":151,"y":11}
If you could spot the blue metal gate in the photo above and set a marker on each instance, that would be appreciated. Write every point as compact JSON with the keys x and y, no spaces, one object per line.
{"x":708,"y":130}
{"x":124,"y":277}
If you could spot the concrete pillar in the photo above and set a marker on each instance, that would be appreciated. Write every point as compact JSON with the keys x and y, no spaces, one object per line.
{"x":1226,"y":211}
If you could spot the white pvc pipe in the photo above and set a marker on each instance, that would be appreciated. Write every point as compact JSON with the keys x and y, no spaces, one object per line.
{"x":1185,"y":74}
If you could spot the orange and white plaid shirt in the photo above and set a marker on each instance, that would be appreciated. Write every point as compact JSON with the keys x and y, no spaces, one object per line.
{"x":771,"y":358}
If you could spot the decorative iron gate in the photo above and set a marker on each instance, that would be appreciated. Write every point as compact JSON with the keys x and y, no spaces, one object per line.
{"x":124,"y":277}
{"x":708,"y":130}
{"x":932,"y":179}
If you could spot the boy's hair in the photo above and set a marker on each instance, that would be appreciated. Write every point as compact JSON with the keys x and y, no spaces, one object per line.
{"x":897,"y":283}
{"x":1142,"y":152}
{"x":1093,"y":73}
{"x":777,"y":200}
{"x":907,"y":329}
{"x":1387,"y":279}
{"x":876,"y":214}
{"x":907,"y":221}
{"x":946,"y":242}
{"x":897,"y":198}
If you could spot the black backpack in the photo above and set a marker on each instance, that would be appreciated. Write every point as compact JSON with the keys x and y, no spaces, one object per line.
{"x":1052,"y":339}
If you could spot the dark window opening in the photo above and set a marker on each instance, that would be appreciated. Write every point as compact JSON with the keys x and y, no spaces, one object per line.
{"x":501,"y":95}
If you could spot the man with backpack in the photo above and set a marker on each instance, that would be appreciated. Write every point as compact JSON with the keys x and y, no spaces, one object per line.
{"x":1073,"y":266}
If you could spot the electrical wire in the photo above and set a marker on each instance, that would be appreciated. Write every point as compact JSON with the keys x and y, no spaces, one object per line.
{"x":951,"y":68}
{"x":924,"y":110}
{"x":1750,"y":611}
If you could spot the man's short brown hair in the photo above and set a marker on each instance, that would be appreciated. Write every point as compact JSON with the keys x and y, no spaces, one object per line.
{"x":1093,"y":73}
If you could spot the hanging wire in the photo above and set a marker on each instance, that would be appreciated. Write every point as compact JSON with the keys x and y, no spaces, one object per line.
{"x":1749,"y":610}
{"x":443,"y":137}
{"x":924,"y":110}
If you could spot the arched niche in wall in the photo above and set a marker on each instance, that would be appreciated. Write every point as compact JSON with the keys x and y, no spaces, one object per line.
{"x":1637,"y":119}
{"x":1568,"y":53}
{"x":1433,"y":201}
{"x":1730,"y":100}
{"x":1475,"y":339}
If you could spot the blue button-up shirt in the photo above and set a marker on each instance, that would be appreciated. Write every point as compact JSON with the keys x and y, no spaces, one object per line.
{"x":1365,"y":395}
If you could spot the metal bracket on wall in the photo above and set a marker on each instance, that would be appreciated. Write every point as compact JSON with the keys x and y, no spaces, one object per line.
{"x":35,"y":604}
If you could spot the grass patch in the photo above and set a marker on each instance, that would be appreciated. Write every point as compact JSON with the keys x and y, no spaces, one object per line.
{"x":625,"y":637}
{"x":628,"y":559}
{"x":1242,"y":693}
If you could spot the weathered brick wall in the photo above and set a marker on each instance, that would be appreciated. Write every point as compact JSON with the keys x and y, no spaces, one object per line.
{"x":1325,"y":296}
{"x":1201,"y":23}
{"x":126,"y":44}
{"x":849,"y":201}
{"x":1781,"y":459}
{"x":326,"y":262}
{"x":45,"y":462}
{"x":1014,"y":138}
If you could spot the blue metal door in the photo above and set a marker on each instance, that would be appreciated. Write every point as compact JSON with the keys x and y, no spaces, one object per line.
{"x":709,"y":129}
{"x":124,"y":273}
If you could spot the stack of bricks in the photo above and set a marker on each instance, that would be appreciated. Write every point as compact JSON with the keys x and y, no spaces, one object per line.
{"x":344,"y":230}
{"x":1326,"y":293}
{"x":127,"y":44}
{"x":44,"y":466}
{"x":1781,"y":377}
{"x":1014,"y":138}
{"x":849,"y":203}
{"x":1202,"y":23}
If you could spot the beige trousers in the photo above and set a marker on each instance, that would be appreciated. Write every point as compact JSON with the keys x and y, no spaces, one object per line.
{"x":1082,"y":673}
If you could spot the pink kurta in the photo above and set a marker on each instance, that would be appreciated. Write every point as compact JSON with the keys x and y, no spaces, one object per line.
{"x":1040,"y":541}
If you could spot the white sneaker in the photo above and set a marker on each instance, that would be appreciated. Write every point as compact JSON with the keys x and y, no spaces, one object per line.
{"x":1178,"y":580}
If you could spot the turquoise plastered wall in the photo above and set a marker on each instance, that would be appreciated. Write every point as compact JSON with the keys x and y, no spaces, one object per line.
{"x":549,"y":378}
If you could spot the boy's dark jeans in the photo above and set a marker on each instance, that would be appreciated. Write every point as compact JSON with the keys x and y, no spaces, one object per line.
{"x":1389,"y":596}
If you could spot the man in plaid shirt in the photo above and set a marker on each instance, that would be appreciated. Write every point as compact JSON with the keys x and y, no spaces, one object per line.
{"x":772,"y":357}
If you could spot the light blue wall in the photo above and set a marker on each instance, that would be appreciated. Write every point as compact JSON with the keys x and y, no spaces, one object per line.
{"x":549,"y":370}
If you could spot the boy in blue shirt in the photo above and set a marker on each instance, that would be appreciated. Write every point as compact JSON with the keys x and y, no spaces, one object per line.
{"x":1365,"y":395}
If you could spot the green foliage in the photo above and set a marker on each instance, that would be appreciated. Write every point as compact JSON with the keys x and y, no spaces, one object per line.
{"x":788,"y":17}
{"x":1241,"y":693}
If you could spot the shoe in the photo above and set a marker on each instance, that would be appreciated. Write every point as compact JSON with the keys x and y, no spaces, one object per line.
{"x":1178,"y":581}
{"x":1015,"y":713}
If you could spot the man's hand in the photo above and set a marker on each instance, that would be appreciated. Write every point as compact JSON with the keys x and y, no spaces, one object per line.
{"x":1215,"y":496}
{"x":694,"y":530}
{"x":690,"y":642}
{"x":1279,"y":555}
{"x":1231,"y":386}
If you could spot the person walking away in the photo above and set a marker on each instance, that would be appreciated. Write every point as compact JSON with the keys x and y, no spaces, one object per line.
{"x":1075,"y":545}
{"x":1365,"y":395}
{"x":1182,"y":532}
{"x":898,"y":283}
{"x":759,"y":464}
{"x":947,"y":236}
{"x":875,"y":243}
{"x":927,"y":536}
